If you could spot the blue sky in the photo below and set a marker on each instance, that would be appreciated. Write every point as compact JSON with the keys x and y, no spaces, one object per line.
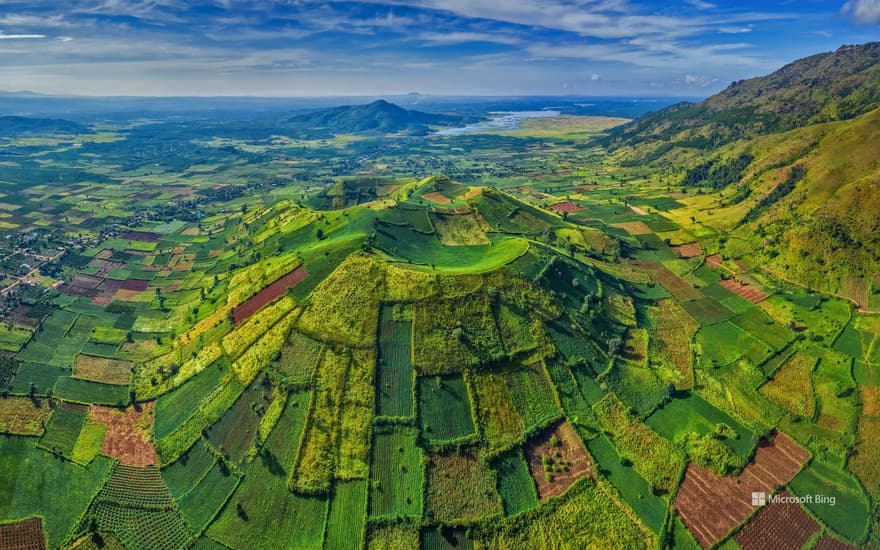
{"x":385,"y":47}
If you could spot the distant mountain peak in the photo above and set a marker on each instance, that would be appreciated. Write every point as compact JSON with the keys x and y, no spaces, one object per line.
{"x":377,"y":117}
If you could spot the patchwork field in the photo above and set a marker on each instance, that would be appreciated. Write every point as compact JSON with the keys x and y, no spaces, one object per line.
{"x":222,"y":335}
{"x":773,"y":465}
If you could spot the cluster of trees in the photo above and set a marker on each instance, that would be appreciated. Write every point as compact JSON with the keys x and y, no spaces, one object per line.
{"x":716,"y":174}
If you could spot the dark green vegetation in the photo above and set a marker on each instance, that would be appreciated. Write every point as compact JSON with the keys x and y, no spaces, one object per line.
{"x":379,"y":117}
{"x":434,"y":328}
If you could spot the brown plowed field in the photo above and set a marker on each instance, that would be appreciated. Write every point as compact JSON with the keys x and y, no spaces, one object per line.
{"x":690,"y":250}
{"x":778,"y":526}
{"x":567,"y":206}
{"x":263,"y":297}
{"x":678,"y":287}
{"x":24,"y":535}
{"x":710,"y":505}
{"x":142,"y":236}
{"x":570,"y":452}
{"x":127,"y":438}
{"x":134,"y":284}
{"x":750,"y":293}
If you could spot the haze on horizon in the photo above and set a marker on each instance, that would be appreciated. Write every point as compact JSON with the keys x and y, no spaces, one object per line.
{"x":389,"y":47}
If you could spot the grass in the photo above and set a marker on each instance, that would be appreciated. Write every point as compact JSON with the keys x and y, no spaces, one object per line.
{"x":632,"y":487}
{"x":356,"y":416}
{"x":496,"y":412}
{"x":791,"y":386}
{"x":298,"y":358}
{"x":86,"y":391}
{"x":758,"y":324}
{"x":173,"y":408}
{"x":22,"y":416}
{"x":236,"y":430}
{"x":313,"y":470}
{"x":724,"y":343}
{"x":707,"y":311}
{"x":63,"y":430}
{"x":396,"y":475}
{"x":185,"y":473}
{"x":532,"y":395}
{"x":45,"y":478}
{"x":850,"y":513}
{"x":266,"y":502}
{"x":394,"y":535}
{"x":454,"y":333}
{"x":444,"y":407}
{"x":638,"y":387}
{"x":460,"y":487}
{"x":515,"y":484}
{"x":563,"y":525}
{"x":346,"y":519}
{"x":690,"y":413}
{"x":394,"y":373}
{"x":654,"y":457}
{"x":416,"y":248}
{"x":205,"y":500}
{"x":89,"y":442}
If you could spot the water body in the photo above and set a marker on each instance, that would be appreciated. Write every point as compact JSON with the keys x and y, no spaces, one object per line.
{"x":502,"y":120}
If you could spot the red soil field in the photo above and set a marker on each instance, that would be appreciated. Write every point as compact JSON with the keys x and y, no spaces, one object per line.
{"x":570,"y":450}
{"x":690,"y":250}
{"x":567,"y":207}
{"x":142,"y":236}
{"x":127,"y":438}
{"x":134,"y":284}
{"x":23,"y":535}
{"x":750,"y":293}
{"x":86,"y":281}
{"x":263,"y":297}
{"x":714,"y":260}
{"x":778,"y":526}
{"x":710,"y":505}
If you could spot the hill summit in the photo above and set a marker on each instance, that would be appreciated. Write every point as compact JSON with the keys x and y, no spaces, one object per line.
{"x":378,"y":117}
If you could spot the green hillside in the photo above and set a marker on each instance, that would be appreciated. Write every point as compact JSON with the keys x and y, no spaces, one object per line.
{"x":826,"y":87}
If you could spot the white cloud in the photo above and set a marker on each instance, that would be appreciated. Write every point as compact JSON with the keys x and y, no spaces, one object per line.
{"x":863,"y":11}
{"x":735,"y":30}
{"x":448,"y":38}
{"x":20,"y":36}
{"x":595,"y":76}
{"x":700,"y":81}
{"x":700,"y":4}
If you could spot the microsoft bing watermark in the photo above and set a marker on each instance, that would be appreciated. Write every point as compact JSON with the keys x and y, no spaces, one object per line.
{"x":760,"y":498}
